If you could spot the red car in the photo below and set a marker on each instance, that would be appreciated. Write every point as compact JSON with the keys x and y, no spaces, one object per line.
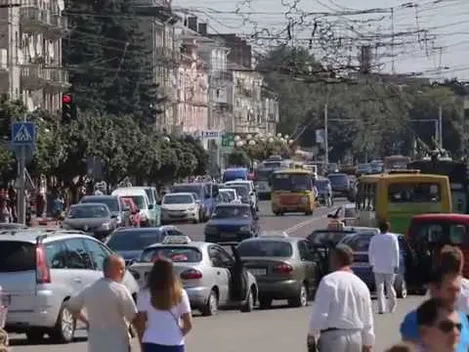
{"x":135,"y":217}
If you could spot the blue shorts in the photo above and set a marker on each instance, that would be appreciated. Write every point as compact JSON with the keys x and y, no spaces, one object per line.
{"x":153,"y":347}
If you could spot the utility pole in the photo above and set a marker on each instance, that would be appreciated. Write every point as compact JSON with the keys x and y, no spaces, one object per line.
{"x":440,"y":126}
{"x":326,"y":142}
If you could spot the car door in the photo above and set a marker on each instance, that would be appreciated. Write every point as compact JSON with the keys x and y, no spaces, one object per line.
{"x":309,"y":266}
{"x":56,"y":256}
{"x":79,"y":263}
{"x":126,"y":211}
{"x":221,"y":273}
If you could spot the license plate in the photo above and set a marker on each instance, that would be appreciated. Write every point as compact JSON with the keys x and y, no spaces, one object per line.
{"x":228,"y":235}
{"x":258,"y":272}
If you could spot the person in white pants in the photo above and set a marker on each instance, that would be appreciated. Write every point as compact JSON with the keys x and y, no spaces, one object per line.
{"x":383,"y":256}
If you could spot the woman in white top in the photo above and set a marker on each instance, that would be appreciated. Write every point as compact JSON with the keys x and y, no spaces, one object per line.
{"x":164,"y":316}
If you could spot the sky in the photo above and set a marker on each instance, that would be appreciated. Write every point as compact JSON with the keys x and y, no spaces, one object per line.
{"x":428,"y":38}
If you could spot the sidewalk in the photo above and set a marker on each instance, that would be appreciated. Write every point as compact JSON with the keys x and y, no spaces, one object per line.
{"x":48,"y":222}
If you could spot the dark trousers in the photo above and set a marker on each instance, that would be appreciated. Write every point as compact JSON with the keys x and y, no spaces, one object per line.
{"x":153,"y":347}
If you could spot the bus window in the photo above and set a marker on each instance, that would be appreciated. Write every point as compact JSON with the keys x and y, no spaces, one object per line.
{"x":414,"y":192}
{"x":457,"y":234}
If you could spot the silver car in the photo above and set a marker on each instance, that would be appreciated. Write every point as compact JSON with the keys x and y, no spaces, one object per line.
{"x":93,"y":218}
{"x":40,"y":270}
{"x":206,"y":271}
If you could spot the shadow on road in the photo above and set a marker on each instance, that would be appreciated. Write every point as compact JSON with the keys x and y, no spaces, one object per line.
{"x":24,"y":341}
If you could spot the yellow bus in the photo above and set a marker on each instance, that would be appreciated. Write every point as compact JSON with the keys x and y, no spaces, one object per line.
{"x":399,"y":196}
{"x":292,"y":192}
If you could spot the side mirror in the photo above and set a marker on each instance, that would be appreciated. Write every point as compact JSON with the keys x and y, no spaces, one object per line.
{"x":197,"y":201}
{"x":126,"y":208}
{"x":130,"y":262}
{"x":330,"y":216}
{"x":150,"y":206}
{"x":113,"y":216}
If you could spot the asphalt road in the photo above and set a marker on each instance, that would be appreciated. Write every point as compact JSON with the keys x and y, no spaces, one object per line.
{"x":275,"y":330}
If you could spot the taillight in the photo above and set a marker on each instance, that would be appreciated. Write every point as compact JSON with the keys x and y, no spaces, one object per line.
{"x":42,"y":269}
{"x":283,"y":268}
{"x":191,"y":274}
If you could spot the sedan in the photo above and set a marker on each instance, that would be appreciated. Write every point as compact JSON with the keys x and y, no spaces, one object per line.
{"x":283,"y":267}
{"x":93,"y":218}
{"x":359,"y":243}
{"x":208,"y":272}
{"x":232,"y":223}
{"x":177,"y":207}
{"x":130,"y":242}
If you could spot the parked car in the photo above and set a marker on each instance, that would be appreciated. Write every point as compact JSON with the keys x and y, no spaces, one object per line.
{"x":206,"y":270}
{"x":40,"y":270}
{"x":115,"y":204}
{"x":95,"y":219}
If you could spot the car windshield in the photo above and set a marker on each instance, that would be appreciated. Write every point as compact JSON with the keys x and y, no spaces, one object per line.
{"x":177,"y":199}
{"x":133,"y":240}
{"x":88,"y":211}
{"x":177,"y":254}
{"x":17,"y":256}
{"x":243,"y":191}
{"x":232,"y":212}
{"x":263,"y":174}
{"x":150,"y":194}
{"x":321,"y":185}
{"x":339,"y":179}
{"x":291,"y":182}
{"x":227,"y":194}
{"x":195,"y":188}
{"x":263,"y":248}
{"x":358,"y":243}
{"x":111,"y":202}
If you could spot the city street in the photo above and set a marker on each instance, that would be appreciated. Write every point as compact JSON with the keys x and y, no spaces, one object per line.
{"x":275,"y":330}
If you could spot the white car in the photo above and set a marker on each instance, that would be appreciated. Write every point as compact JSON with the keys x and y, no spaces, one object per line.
{"x":180,"y":207}
{"x":232,"y":194}
{"x":251,"y":188}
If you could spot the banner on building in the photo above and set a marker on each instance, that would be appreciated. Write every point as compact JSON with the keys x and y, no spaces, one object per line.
{"x":211,"y":135}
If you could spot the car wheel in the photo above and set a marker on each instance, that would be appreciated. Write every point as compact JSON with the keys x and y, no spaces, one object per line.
{"x":401,"y":289}
{"x":301,"y":300}
{"x":265,"y":302}
{"x":211,"y":307}
{"x":35,"y":336}
{"x":248,"y":305}
{"x":64,"y":328}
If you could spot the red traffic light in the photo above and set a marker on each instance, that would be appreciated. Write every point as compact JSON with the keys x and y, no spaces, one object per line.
{"x":67,"y":99}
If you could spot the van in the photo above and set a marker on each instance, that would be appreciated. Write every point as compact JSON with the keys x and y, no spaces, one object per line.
{"x":147,"y":209}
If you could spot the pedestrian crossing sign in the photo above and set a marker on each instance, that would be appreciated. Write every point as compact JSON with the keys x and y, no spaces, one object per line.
{"x":23,"y":134}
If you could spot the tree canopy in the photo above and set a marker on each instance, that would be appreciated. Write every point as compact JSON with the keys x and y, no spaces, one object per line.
{"x":368,"y":115}
{"x":125,"y":148}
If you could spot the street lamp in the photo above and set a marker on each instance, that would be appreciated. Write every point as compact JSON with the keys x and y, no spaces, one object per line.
{"x":248,"y":137}
{"x":252,"y":142}
{"x":166,"y":139}
{"x":237,"y":138}
{"x":270,"y":140}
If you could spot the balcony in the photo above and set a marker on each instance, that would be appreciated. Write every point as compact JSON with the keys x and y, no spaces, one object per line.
{"x":56,"y":80}
{"x":167,"y":56}
{"x":33,"y":76}
{"x":36,"y":20}
{"x":3,"y":62}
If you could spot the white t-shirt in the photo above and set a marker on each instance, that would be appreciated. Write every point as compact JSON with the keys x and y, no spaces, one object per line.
{"x":163,"y":326}
{"x":463,"y":302}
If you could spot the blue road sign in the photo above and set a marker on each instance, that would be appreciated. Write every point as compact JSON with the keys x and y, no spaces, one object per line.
{"x":23,"y":134}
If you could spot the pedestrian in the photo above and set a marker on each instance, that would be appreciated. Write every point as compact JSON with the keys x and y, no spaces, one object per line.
{"x":342,"y":313}
{"x":383,"y":256}
{"x":451,"y":258}
{"x":439,"y":326}
{"x":110,"y":309}
{"x":5,"y":214}
{"x":445,"y":285}
{"x":164,"y":312}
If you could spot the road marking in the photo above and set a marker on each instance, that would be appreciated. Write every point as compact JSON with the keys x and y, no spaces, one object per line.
{"x":298,"y":226}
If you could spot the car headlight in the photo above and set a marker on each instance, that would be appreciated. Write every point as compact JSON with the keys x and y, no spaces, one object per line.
{"x":244,"y":229}
{"x":191,"y":209}
{"x":304,"y":200}
{"x":106,"y":226}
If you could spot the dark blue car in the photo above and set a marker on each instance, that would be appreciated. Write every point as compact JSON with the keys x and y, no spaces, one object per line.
{"x":361,"y":267}
{"x":232,"y":223}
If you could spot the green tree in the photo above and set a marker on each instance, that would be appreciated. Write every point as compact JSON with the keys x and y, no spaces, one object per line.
{"x":111,"y":68}
{"x":239,"y":158}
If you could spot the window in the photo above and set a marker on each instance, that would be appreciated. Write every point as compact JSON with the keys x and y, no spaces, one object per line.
{"x":177,"y":254}
{"x":303,"y":249}
{"x":56,"y":253}
{"x":133,"y":240}
{"x":414,"y":192}
{"x":77,"y":255}
{"x":225,"y":257}
{"x":265,"y":248}
{"x":358,"y":243}
{"x":17,"y":256}
{"x":97,"y":254}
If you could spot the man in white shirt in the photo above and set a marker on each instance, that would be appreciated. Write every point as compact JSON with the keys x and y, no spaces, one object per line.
{"x":342,"y":313}
{"x":383,"y":256}
{"x":109,"y":309}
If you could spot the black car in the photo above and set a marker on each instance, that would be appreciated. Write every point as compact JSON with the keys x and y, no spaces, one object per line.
{"x":131,"y":241}
{"x":232,"y":223}
{"x":340,"y":184}
{"x":115,"y":204}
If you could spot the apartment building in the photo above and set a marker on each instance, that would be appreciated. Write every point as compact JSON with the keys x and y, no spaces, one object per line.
{"x":158,"y":25}
{"x":31,"y":70}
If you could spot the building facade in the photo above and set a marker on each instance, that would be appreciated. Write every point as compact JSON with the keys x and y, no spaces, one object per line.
{"x":160,"y":35}
{"x":31,"y":70}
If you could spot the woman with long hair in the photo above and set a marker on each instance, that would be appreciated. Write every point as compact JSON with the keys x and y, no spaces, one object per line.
{"x":164,"y":317}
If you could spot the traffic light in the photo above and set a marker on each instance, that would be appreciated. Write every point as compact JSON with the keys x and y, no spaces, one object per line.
{"x":69,"y":109}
